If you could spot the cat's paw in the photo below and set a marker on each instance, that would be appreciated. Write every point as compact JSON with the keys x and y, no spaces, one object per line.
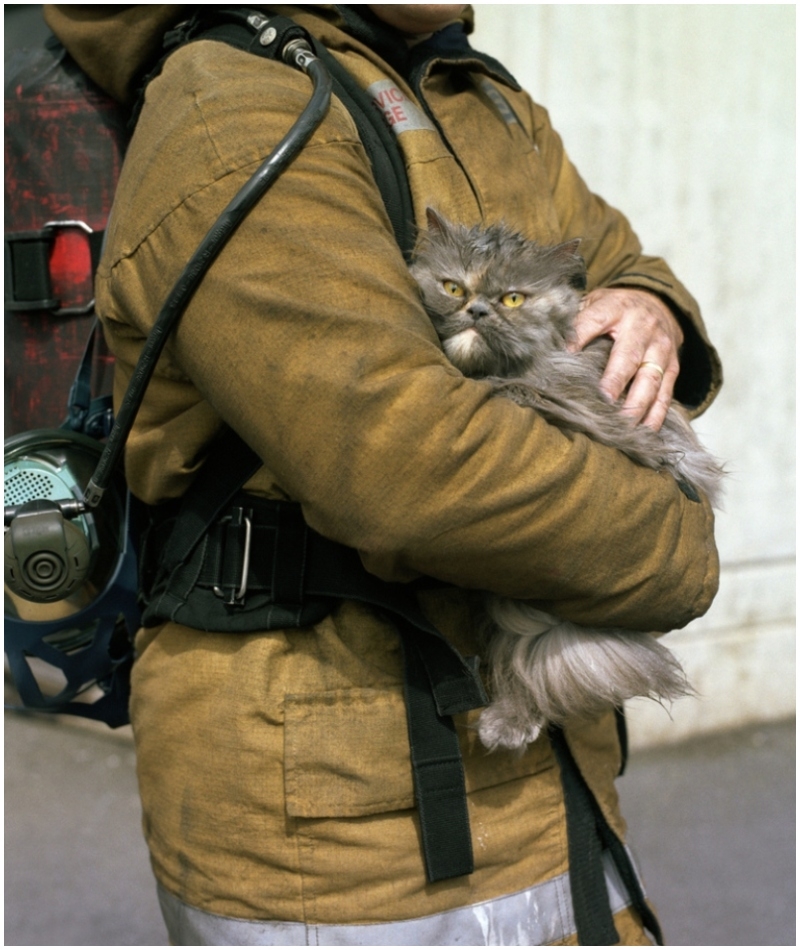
{"x":498,"y":730}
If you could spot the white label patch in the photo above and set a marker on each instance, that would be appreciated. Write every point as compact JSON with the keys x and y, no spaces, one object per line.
{"x":498,"y":101}
{"x":400,"y":113}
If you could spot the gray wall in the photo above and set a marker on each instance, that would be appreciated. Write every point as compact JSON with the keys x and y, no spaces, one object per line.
{"x":683,"y":116}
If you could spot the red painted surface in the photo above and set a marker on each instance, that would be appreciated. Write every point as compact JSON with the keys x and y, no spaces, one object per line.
{"x":64,"y":141}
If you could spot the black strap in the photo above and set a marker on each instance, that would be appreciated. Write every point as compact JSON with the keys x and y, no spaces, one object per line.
{"x":588,"y":834}
{"x":28,"y":276}
{"x":213,"y":491}
{"x":622,"y":737}
{"x":380,"y":143}
{"x":630,"y":879}
{"x":91,"y":416}
{"x":439,"y":784}
{"x":590,"y":901}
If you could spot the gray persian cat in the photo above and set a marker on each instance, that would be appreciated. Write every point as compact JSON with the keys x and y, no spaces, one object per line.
{"x":504,"y":307}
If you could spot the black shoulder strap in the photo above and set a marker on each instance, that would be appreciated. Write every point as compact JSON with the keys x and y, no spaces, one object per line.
{"x":388,"y":166}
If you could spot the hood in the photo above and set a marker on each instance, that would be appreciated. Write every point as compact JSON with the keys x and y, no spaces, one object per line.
{"x":110,"y":42}
{"x":115,"y":43}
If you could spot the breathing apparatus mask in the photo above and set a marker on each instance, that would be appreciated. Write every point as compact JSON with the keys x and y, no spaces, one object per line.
{"x":70,"y":566}
{"x":70,"y":579}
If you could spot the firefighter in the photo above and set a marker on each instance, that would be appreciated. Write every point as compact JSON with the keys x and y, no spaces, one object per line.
{"x":274,"y":764}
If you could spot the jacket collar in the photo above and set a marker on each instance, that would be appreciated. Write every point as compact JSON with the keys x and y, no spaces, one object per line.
{"x":447,"y":47}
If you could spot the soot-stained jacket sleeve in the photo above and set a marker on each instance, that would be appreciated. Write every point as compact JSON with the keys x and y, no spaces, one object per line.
{"x":308,"y":338}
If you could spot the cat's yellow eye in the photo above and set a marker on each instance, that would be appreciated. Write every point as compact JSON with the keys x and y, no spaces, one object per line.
{"x":452,"y":288}
{"x":514,"y":299}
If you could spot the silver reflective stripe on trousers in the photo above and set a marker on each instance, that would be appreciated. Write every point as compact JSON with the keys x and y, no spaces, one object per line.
{"x":537,"y":916}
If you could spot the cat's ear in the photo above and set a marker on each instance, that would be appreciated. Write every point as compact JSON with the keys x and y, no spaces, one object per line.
{"x":435,"y":223}
{"x":568,"y":249}
{"x":574,"y":267}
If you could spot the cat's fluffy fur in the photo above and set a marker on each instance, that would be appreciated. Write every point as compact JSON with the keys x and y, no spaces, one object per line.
{"x":543,"y":669}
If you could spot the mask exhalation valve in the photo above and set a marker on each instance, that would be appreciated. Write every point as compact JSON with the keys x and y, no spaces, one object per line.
{"x":46,"y":556}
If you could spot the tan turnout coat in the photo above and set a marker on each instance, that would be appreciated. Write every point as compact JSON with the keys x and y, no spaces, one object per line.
{"x":274,"y":768}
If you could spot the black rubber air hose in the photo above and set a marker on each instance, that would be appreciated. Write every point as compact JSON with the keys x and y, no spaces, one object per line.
{"x":297,"y":53}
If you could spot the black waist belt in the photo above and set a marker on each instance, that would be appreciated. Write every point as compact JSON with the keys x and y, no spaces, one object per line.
{"x":260,"y":567}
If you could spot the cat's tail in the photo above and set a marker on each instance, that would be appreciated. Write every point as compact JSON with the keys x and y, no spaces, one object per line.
{"x":576,"y":673}
{"x":545,"y":670}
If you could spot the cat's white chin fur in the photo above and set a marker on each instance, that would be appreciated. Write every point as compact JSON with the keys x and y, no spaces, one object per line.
{"x":459,"y":347}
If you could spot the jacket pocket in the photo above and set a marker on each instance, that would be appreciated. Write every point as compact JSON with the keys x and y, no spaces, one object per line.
{"x":347,"y":755}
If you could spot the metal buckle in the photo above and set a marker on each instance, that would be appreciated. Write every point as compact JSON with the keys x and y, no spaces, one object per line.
{"x":238,"y":597}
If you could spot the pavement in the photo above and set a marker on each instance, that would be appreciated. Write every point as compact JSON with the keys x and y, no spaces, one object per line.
{"x":712,"y":825}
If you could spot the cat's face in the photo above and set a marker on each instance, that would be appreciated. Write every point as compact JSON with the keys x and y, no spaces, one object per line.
{"x":495,"y":298}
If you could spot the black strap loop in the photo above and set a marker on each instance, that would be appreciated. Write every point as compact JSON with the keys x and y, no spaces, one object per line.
{"x":28,"y":275}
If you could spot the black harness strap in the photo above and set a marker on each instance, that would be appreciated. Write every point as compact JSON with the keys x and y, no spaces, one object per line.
{"x":388,"y":166}
{"x":587,"y":881}
{"x":622,"y":737}
{"x":439,"y":784}
{"x":92,"y":416}
{"x":588,"y":834}
{"x":629,"y":877}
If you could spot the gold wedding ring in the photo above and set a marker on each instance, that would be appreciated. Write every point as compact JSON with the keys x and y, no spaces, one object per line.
{"x":655,"y":366}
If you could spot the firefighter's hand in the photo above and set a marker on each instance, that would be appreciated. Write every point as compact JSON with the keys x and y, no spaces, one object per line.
{"x":643,"y":364}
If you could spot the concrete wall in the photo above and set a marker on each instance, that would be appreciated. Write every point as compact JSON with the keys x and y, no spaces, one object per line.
{"x":683,"y":116}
